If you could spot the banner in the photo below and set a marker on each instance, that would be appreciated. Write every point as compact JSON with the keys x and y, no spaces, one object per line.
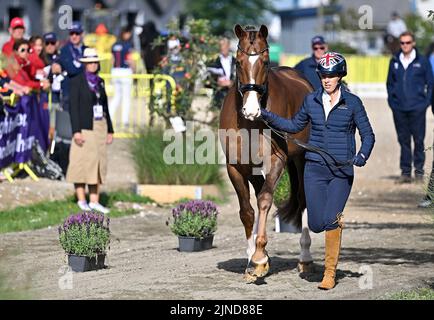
{"x":15,"y":138}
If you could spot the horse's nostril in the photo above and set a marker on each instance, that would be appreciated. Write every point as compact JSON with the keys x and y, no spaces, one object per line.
{"x":244,"y":109}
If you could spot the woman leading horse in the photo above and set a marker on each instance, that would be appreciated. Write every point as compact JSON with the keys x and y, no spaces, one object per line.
{"x":334,"y":114}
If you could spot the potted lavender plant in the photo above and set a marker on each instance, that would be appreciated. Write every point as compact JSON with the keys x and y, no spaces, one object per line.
{"x":85,"y":238}
{"x":195,"y":222}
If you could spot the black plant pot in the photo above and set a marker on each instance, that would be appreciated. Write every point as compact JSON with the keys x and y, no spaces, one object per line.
{"x":83,"y":264}
{"x":190,"y":244}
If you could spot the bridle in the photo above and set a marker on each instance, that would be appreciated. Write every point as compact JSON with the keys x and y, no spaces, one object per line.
{"x":261,"y":89}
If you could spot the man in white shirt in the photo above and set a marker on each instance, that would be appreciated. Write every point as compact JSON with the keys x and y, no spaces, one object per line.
{"x":223,"y":70}
{"x":409,"y":86}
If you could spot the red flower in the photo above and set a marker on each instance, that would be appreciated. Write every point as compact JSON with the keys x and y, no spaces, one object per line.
{"x":187,"y":46}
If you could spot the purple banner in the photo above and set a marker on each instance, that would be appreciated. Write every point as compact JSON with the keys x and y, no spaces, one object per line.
{"x":15,"y":138}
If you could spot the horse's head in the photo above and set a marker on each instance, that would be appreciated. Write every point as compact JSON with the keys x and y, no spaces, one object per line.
{"x":252,"y":68}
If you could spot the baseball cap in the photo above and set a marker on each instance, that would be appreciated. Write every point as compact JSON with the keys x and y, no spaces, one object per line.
{"x":76,"y":27}
{"x":50,"y":37}
{"x":17,"y":22}
{"x":318,"y":40}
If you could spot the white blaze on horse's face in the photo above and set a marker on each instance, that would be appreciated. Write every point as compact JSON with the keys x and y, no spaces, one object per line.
{"x":251,"y":106}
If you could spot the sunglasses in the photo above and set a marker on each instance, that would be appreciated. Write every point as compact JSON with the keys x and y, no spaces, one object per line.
{"x":24,"y":50}
{"x":74,"y":33}
{"x":318,"y":48}
{"x":406,"y":42}
{"x":50,"y":43}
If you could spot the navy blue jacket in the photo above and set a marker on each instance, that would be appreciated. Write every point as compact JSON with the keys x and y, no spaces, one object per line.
{"x":308,"y":68}
{"x":409,"y":89}
{"x":336,"y":135}
{"x":67,"y":56}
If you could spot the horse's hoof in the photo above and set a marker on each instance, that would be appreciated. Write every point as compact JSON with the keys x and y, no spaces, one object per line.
{"x":261,"y":270}
{"x":249,"y":278}
{"x":305,"y":267}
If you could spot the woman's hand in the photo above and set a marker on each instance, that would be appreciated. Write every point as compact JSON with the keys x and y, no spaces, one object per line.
{"x":78,"y":138}
{"x":109,"y":138}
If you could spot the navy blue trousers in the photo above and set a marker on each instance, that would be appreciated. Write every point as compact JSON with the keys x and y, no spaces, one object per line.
{"x":326,"y":195}
{"x":410,"y":124}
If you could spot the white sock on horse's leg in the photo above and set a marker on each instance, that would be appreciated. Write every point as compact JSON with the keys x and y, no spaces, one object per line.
{"x":305,"y":240}
{"x":251,"y":242}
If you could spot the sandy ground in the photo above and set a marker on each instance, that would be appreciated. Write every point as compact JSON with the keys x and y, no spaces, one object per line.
{"x":388,"y":244}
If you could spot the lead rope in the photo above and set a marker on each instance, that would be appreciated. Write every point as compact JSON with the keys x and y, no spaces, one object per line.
{"x":284,"y":135}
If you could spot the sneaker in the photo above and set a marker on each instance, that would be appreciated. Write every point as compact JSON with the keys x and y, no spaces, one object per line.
{"x":425,"y":203}
{"x":84,"y":206}
{"x":98,"y":207}
{"x":403,"y":179}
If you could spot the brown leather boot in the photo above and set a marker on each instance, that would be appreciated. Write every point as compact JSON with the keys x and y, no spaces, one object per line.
{"x":332,"y":249}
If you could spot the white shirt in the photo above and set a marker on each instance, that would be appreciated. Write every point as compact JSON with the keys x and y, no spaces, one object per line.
{"x":406,"y":61}
{"x":227,"y":64}
{"x":327,"y":102}
{"x":396,"y":27}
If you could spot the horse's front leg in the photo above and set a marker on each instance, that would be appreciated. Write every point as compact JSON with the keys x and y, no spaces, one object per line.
{"x":247,"y":213}
{"x":260,"y":260}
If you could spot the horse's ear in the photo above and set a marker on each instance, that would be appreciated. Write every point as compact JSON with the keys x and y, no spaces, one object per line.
{"x":239,"y":32}
{"x":263,"y":31}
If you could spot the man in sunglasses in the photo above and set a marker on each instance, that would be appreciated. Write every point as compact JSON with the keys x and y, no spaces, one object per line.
{"x":70,"y":55}
{"x":308,"y":66}
{"x":409,"y":88}
{"x":16,"y":30}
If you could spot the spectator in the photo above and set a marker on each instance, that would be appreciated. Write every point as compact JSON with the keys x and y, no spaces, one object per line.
{"x":36,"y":59}
{"x":93,"y":130}
{"x":8,"y":86}
{"x":223,"y":72}
{"x":50,"y":56}
{"x":70,"y":56}
{"x":16,"y":30}
{"x":409,"y":87}
{"x":22,"y":72}
{"x":395,"y":28}
{"x":122,"y":72}
{"x":308,"y":66}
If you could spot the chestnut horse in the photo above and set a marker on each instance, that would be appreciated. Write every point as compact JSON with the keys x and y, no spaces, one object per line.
{"x":281,"y":90}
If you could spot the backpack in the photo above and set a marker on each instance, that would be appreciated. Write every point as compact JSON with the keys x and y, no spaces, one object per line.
{"x":44,"y":167}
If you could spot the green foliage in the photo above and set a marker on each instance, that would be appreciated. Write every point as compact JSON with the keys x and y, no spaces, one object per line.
{"x":422,"y":28}
{"x":417,"y":294}
{"x":283,"y":189}
{"x":195,"y":218}
{"x":224,"y":14}
{"x":50,"y":213}
{"x":85,"y":239}
{"x":194,"y":225}
{"x":197,"y":48}
{"x":147,"y":151}
{"x":342,"y":47}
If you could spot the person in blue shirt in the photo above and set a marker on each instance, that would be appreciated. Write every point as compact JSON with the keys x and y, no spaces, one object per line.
{"x":122,"y":72}
{"x":308,"y":66}
{"x":70,"y":55}
{"x":409,"y":88}
{"x":334,"y":114}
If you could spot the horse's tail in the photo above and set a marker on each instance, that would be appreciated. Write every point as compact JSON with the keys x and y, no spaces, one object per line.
{"x":291,"y":209}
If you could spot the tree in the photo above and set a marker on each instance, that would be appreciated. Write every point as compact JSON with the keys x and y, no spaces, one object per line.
{"x":224,"y":14}
{"x":187,"y":64}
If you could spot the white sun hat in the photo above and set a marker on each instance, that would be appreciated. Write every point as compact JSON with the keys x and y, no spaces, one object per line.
{"x":90,"y":55}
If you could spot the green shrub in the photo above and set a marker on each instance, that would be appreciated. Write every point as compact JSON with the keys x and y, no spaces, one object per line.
{"x":84,"y":234}
{"x":147,"y":151}
{"x":195,"y":218}
{"x":283,"y":189}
